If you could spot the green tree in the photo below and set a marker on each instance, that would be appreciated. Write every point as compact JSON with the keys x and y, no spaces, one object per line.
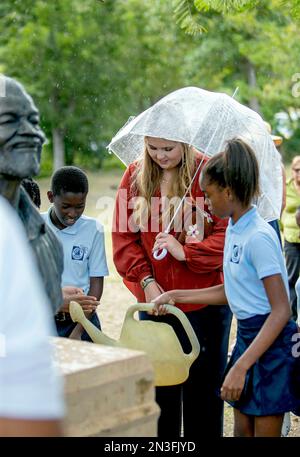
{"x":60,"y":51}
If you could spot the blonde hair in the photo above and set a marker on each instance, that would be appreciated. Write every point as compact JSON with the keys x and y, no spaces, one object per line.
{"x":147,"y":178}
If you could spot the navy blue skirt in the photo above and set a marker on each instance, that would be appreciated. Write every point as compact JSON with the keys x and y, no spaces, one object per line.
{"x":272,"y":384}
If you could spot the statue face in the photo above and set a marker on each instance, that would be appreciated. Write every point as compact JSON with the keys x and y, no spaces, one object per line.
{"x":21,"y":137}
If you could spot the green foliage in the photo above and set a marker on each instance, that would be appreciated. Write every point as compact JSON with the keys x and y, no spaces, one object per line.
{"x":59,"y":50}
{"x":46,"y":162}
{"x":183,"y":12}
{"x":225,"y":5}
{"x":292,"y":146}
{"x":293,"y":6}
{"x":261,"y":36}
{"x":111,"y":162}
{"x":90,"y":65}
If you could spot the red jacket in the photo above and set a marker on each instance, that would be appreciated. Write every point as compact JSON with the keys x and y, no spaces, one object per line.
{"x":132,"y":252}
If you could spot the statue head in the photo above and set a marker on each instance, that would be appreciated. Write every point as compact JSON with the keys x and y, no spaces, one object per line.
{"x":21,"y":138}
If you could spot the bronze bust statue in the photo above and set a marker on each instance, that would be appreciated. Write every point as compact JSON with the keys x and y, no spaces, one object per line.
{"x":21,"y":141}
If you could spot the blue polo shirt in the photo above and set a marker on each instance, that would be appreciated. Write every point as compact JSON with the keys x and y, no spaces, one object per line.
{"x":84,"y":251}
{"x":251,"y":253}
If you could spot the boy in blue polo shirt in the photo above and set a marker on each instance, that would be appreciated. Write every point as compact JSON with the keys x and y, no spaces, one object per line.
{"x":82,"y":238}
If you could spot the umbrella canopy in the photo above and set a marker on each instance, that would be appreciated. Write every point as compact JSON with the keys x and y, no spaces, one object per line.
{"x":206,"y":120}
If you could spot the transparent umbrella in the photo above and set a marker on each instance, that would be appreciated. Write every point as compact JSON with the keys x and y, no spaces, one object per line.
{"x":206,"y":120}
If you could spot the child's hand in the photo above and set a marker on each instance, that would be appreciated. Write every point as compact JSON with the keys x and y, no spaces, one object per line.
{"x":233,"y":384}
{"x":159,"y":303}
{"x":88,"y":304}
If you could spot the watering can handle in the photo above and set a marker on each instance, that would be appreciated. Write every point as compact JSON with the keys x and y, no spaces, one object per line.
{"x":183,"y":319}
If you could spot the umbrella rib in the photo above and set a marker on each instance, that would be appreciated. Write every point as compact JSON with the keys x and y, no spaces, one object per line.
{"x":183,"y":198}
{"x":189,"y":188}
{"x":225,"y":115}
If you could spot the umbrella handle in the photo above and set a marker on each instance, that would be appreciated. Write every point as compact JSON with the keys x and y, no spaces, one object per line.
{"x":160,"y":254}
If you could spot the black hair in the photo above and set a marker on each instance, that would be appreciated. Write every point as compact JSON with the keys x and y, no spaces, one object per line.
{"x":236,"y":168}
{"x":32,"y":190}
{"x":69,"y":179}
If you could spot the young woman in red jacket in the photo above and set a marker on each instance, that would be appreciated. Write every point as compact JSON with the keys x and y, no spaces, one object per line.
{"x":194,"y":260}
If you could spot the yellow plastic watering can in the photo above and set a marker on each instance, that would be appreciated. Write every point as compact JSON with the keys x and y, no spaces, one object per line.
{"x":171,"y":365}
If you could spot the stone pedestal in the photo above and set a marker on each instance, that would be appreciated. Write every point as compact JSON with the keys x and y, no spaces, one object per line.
{"x":109,"y":391}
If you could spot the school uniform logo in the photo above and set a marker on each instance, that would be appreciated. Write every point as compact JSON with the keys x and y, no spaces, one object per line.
{"x":77,"y":253}
{"x":236,"y":253}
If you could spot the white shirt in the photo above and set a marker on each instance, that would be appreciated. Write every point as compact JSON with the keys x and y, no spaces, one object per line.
{"x":29,"y":385}
{"x":252,"y":252}
{"x":84,"y":251}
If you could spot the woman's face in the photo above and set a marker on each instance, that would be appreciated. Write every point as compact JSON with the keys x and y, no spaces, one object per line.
{"x":296,"y":172}
{"x":167,"y":154}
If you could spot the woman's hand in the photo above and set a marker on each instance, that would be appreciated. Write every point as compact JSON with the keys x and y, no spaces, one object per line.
{"x":151,"y":291}
{"x":234,"y":383}
{"x":159,"y":303}
{"x":167,"y":241}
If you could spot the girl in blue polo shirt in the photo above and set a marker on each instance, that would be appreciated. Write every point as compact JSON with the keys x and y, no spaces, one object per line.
{"x":262,"y":379}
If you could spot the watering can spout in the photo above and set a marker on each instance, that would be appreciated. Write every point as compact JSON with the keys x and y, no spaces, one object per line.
{"x":95,"y":334}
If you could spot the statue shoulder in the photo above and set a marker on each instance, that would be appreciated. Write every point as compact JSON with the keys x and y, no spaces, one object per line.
{"x":47,"y":249}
